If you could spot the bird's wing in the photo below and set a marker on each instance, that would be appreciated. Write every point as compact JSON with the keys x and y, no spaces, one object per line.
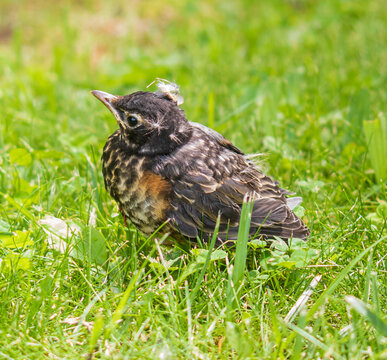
{"x":198,"y":197}
{"x":270,"y":187}
{"x":220,"y":139}
{"x":210,"y":176}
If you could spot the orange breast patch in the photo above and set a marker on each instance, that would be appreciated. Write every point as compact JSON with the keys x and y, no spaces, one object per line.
{"x":158,"y":189}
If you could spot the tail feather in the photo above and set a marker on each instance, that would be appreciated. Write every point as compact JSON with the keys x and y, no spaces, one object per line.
{"x":272,"y":217}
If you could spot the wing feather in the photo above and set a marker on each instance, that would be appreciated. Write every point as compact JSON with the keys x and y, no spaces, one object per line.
{"x":270,"y":216}
{"x":208,"y":186}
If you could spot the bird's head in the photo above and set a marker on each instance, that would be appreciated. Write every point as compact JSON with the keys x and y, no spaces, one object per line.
{"x":150,"y":123}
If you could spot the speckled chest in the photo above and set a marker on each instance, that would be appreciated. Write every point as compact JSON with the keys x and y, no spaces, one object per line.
{"x":142,"y":195}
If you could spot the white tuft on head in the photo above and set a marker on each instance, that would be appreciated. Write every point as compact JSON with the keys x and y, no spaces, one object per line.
{"x":169,"y":88}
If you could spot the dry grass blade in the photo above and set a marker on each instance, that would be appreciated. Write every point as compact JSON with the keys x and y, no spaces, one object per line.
{"x":301,"y":301}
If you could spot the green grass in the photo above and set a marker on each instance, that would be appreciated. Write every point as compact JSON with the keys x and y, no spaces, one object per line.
{"x":303,"y":82}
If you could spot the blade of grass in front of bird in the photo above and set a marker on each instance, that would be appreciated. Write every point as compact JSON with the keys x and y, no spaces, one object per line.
{"x":241,"y":250}
{"x":243,"y":238}
{"x":149,"y":238}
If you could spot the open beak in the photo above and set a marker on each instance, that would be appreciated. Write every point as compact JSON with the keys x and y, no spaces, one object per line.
{"x":109,"y":101}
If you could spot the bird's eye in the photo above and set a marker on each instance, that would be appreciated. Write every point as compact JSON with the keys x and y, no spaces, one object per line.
{"x":132,"y":120}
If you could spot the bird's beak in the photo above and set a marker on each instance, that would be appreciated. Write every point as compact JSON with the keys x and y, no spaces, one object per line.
{"x":109,"y":101}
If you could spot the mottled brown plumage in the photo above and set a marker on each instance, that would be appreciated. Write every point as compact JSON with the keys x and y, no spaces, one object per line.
{"x":159,"y":166}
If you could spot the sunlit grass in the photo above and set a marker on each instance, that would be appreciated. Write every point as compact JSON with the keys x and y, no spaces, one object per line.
{"x":301,"y":82}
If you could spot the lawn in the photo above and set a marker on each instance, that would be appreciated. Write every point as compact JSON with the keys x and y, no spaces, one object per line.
{"x":302,"y":82}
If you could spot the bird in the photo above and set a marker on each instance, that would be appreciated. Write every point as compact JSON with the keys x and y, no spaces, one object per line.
{"x":165,"y":171}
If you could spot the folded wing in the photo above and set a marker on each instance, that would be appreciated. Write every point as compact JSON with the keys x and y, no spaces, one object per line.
{"x":216,"y":182}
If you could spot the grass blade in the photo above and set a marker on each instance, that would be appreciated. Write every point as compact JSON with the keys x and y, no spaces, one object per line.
{"x":359,"y":109}
{"x":117,"y":315}
{"x":241,"y":248}
{"x":335,"y":283}
{"x":367,"y":284}
{"x":363,"y":309}
{"x":301,"y":301}
{"x":376,"y":136}
{"x":208,"y":257}
{"x":312,"y":339}
{"x":95,"y":333}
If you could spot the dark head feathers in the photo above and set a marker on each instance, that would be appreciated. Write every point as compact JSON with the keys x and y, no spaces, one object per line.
{"x":149,"y":104}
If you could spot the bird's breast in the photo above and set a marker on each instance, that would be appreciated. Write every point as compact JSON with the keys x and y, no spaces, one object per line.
{"x":142,"y":195}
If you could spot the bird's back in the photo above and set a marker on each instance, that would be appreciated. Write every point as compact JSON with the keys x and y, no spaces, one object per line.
{"x":208,"y":176}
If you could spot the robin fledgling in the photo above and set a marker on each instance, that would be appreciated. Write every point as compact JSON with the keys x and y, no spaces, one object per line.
{"x":159,"y":166}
